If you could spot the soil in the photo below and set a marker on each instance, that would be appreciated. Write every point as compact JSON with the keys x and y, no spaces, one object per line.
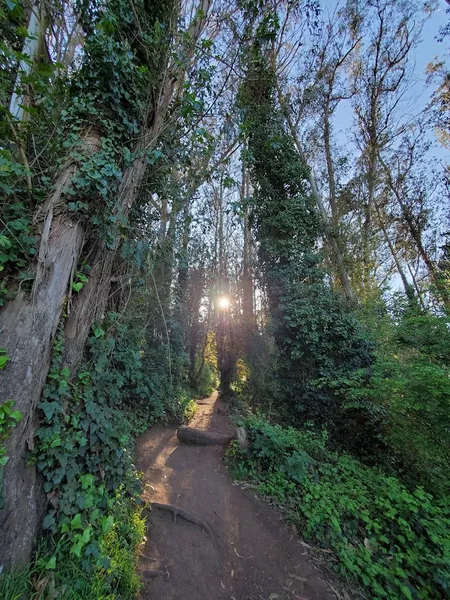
{"x":252,"y":555}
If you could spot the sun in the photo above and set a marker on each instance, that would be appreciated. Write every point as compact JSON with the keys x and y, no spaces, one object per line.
{"x":223,"y":302}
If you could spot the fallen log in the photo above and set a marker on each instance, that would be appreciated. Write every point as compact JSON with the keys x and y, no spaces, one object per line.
{"x":199,"y":437}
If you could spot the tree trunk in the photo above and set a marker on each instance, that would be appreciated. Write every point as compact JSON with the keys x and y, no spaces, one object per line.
{"x":335,"y":254}
{"x":90,"y":303}
{"x":27,"y":327}
{"x":442,"y":291}
{"x":367,"y":224}
{"x":200,"y":437}
{"x":35,"y":49}
{"x":409,"y":290}
{"x":247,"y":280}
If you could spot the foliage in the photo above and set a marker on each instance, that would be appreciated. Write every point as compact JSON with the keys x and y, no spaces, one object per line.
{"x":85,"y":451}
{"x":190,"y":410}
{"x":409,"y":382}
{"x":319,"y":341}
{"x":394,"y":542}
{"x":205,"y":371}
{"x":55,"y":574}
{"x":8,"y":419}
{"x":207,"y":379}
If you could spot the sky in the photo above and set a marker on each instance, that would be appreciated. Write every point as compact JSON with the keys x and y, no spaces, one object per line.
{"x":427,"y":51}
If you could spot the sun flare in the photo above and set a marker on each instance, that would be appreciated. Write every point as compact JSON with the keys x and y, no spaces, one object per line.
{"x":223,"y":302}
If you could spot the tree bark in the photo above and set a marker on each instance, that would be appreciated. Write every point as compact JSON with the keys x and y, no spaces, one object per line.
{"x":199,"y":437}
{"x":28,"y":326}
{"x":335,"y":254}
{"x":442,"y":292}
{"x":409,"y":290}
{"x":247,"y":280}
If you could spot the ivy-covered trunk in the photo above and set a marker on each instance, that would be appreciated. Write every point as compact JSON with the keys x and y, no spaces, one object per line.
{"x":27,"y":329}
{"x":122,"y":92}
{"x":90,"y":304}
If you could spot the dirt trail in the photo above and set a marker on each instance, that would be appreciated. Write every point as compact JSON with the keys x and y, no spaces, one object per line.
{"x":253,"y":555}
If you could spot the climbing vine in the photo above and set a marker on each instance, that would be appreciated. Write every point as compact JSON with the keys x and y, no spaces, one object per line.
{"x":320,"y":344}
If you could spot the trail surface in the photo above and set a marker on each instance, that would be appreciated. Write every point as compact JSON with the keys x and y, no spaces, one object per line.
{"x":252,"y":556}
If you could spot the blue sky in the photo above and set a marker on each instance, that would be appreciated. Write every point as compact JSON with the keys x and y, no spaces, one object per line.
{"x":420,"y":93}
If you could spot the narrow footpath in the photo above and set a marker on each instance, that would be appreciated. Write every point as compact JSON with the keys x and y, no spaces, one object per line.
{"x":252,"y":555}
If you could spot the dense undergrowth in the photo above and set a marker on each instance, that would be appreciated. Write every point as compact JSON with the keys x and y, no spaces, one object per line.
{"x":394,"y":541}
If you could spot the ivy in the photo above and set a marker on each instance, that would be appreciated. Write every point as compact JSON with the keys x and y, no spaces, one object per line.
{"x":393,"y":541}
{"x":319,"y":341}
{"x":8,"y":420}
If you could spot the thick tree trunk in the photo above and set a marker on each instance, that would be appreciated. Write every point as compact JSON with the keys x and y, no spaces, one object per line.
{"x":27,"y":330}
{"x":90,"y":303}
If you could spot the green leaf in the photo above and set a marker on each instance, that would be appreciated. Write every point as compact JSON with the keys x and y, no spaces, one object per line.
{"x":77,"y":548}
{"x":16,"y":415}
{"x":48,"y":522}
{"x":51,"y":563}
{"x":76,"y":522}
{"x":77,"y":286}
{"x":107,"y":524}
{"x":49,"y":408}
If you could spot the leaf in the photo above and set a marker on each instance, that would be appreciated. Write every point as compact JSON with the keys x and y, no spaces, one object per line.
{"x":76,"y":549}
{"x":76,"y":522}
{"x":77,"y":286}
{"x":48,"y":522}
{"x":49,"y":409}
{"x":107,"y":524}
{"x":86,"y":535}
{"x":51,"y":563}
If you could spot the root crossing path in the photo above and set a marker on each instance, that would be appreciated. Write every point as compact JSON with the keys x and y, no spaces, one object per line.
{"x":251,"y":555}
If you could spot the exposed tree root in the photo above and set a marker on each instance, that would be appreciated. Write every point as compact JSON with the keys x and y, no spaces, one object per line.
{"x":184,"y":514}
{"x":149,"y":574}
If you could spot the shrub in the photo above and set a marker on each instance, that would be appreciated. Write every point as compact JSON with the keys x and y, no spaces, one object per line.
{"x":394,"y":542}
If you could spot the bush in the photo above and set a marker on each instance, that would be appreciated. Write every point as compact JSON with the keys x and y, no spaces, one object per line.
{"x":394,"y":542}
{"x":409,"y":382}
